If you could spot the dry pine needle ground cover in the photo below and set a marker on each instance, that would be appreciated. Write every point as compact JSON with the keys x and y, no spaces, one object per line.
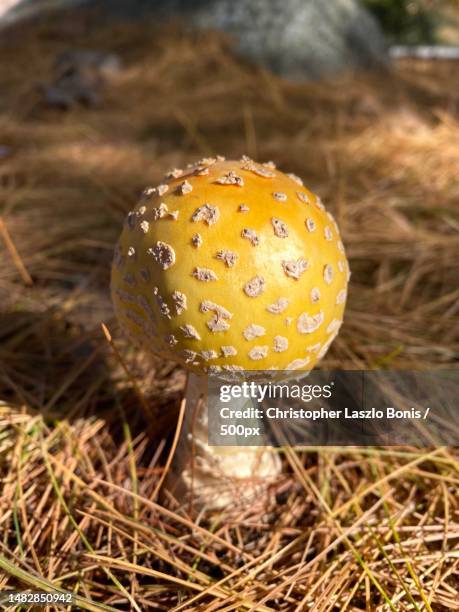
{"x":80,"y":462}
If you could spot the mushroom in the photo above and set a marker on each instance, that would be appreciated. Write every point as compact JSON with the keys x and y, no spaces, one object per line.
{"x":229,"y":266}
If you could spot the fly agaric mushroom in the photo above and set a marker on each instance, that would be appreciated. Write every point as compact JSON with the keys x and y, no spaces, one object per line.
{"x":230,"y":266}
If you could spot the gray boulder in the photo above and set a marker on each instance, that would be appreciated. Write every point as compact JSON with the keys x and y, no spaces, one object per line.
{"x":297,"y":38}
{"x":294,"y":38}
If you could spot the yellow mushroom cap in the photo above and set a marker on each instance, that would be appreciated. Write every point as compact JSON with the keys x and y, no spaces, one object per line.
{"x":231,"y":265}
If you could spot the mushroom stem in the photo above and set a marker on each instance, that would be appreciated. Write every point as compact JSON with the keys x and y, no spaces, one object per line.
{"x":217,"y":476}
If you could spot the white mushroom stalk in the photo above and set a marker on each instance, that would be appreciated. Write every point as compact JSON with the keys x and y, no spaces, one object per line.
{"x":229,"y":267}
{"x":217,"y":477}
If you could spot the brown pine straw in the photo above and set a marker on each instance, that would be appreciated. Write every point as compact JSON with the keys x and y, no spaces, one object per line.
{"x":89,"y":425}
{"x":14,"y":253}
{"x":173,"y":448}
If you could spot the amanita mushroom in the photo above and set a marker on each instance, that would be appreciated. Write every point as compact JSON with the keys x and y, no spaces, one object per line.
{"x":229,"y":266}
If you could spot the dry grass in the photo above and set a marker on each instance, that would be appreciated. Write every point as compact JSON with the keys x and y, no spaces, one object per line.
{"x":346,"y":529}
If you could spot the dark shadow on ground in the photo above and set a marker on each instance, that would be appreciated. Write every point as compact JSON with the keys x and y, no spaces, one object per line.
{"x":53,"y":367}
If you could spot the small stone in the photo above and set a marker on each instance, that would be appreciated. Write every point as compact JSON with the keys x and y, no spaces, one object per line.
{"x":340,"y":266}
{"x":253,"y":331}
{"x":255,"y":286}
{"x":243,"y":208}
{"x":279,"y":306}
{"x":171,"y":340}
{"x":204,"y":274}
{"x":190,"y":332}
{"x":207,"y":213}
{"x":311,"y":225}
{"x":340,"y":247}
{"x":328,"y":233}
{"x":280,"y":344}
{"x":280,"y":196}
{"x":280,"y":228}
{"x":307,"y":324}
{"x":295,"y":269}
{"x":131,"y":251}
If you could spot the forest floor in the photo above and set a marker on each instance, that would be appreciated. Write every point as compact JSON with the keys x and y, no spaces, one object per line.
{"x":344,"y":528}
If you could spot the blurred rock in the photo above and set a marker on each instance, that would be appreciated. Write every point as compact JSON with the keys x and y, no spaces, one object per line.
{"x":294,"y":38}
{"x":5,"y":151}
{"x":297,"y":38}
{"x":79,"y":78}
{"x":15,"y":10}
{"x":106,"y":64}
